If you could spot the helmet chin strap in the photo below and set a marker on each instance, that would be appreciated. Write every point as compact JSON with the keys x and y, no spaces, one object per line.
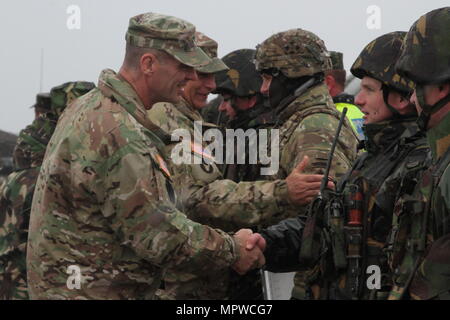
{"x":386,"y":91}
{"x":428,"y":110}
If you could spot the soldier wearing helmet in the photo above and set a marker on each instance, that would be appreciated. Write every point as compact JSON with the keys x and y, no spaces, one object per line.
{"x":360,"y":235}
{"x":14,"y":205}
{"x":239,"y":98}
{"x":423,"y":238}
{"x":292,"y":65}
{"x":206,"y":197}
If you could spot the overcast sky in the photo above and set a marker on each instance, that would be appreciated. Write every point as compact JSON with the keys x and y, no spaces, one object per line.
{"x":29,"y":27}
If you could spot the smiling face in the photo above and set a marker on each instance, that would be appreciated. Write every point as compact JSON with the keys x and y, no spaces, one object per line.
{"x":171,"y":76}
{"x":196,"y":91}
{"x":370,"y":101}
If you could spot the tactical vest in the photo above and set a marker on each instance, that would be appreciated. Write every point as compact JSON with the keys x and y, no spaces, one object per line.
{"x":410,"y":238}
{"x":340,"y":240}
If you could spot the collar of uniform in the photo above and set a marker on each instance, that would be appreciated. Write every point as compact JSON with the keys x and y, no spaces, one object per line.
{"x":381,"y":135}
{"x":188,"y":110}
{"x":118,"y":89}
{"x":439,"y":138}
{"x":316,"y":95}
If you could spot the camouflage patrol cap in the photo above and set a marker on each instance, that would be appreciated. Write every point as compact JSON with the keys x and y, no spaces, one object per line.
{"x":241,"y":79}
{"x":337,"y":61}
{"x":425,"y":56}
{"x":377,"y":60}
{"x":64,"y":94}
{"x":43,"y":102}
{"x":209,"y":46}
{"x":295,"y":53}
{"x":170,"y":34}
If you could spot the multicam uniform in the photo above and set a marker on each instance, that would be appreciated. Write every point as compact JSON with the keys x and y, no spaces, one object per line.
{"x":307,"y":118}
{"x":104,"y":203}
{"x":16,"y":196}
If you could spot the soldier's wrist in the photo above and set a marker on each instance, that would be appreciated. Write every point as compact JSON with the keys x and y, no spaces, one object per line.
{"x":282,"y":195}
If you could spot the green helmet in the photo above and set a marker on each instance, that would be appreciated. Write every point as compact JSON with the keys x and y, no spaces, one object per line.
{"x":377,"y":60}
{"x":425,"y":58}
{"x":64,"y":94}
{"x":32,"y":141}
{"x":296,"y":53}
{"x":241,"y":79}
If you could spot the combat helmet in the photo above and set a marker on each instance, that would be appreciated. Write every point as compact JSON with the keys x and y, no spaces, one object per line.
{"x":241,"y":79}
{"x":62,"y":95}
{"x":32,"y":141}
{"x":377,"y":60}
{"x":296,"y":53}
{"x":425,"y":57}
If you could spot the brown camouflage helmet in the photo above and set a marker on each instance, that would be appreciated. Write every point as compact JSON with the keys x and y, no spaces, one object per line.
{"x":296,"y":53}
{"x":241,"y":79}
{"x":209,"y":46}
{"x":64,"y":94}
{"x":425,"y":57}
{"x":377,"y":60}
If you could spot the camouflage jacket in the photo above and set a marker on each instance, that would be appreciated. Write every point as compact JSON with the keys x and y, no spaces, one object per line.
{"x":208,"y":198}
{"x":421,"y":244}
{"x":339,"y":273}
{"x":15,"y":206}
{"x":307,"y":127}
{"x":204,"y":195}
{"x":103,"y":222}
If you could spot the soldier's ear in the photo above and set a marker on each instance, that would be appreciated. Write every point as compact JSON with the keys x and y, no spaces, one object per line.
{"x":147,"y":63}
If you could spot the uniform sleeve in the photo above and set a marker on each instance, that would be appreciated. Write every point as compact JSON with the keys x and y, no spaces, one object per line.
{"x":230,"y":205}
{"x":145,"y":220}
{"x":283,"y":243}
{"x":314,"y":137}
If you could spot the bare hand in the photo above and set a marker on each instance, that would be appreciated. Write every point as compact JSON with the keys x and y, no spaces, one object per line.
{"x":249,"y":259}
{"x":302,"y":188}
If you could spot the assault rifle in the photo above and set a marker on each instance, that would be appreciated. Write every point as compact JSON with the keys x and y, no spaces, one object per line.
{"x":325,"y":218}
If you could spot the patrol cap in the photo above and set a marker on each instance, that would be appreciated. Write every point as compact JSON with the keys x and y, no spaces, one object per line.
{"x":209,"y":46}
{"x":337,"y":61}
{"x":170,"y":34}
{"x":43,"y":102}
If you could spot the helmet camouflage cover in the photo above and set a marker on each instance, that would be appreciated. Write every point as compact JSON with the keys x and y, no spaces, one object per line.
{"x":32,"y":141}
{"x":296,"y":53}
{"x":377,"y":60}
{"x":241,"y":79}
{"x":425,"y":56}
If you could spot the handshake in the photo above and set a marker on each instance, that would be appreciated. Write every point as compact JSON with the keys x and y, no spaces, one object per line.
{"x":251,"y":246}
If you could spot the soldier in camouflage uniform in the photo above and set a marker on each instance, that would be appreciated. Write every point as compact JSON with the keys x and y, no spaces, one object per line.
{"x":292,"y":65}
{"x":203,"y":194}
{"x":103,"y":221}
{"x":335,"y":81}
{"x":421,"y":244}
{"x":341,"y":240}
{"x":16,"y":196}
{"x":238,"y":90}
